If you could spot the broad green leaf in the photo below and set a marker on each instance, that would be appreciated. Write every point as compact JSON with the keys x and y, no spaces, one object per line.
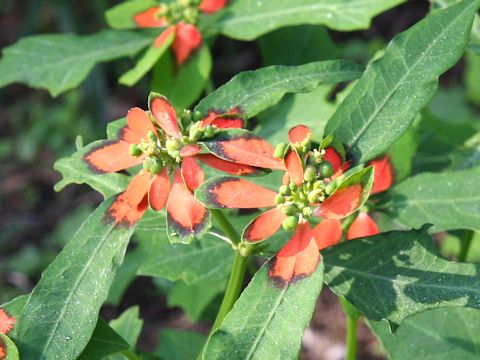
{"x":128,"y":325}
{"x":440,"y":334}
{"x":113,"y":127}
{"x":398,"y":274}
{"x":267,"y":322}
{"x":104,"y":341}
{"x":194,"y":299}
{"x":471,"y":76}
{"x":146,"y":62}
{"x":62,"y":61}
{"x":254,"y":91}
{"x":203,"y":261}
{"x":448,"y":200}
{"x":59,"y":316}
{"x":402,"y":152}
{"x":182,"y":86}
{"x":311,"y":43}
{"x":8,"y":347}
{"x":122,"y":15}
{"x":393,"y":89}
{"x":248,"y":19}
{"x":76,"y":171}
{"x":173,"y":344}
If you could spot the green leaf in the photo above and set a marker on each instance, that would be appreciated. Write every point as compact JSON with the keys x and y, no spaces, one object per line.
{"x":254,"y":91}
{"x":393,"y":89}
{"x":60,"y":314}
{"x":402,"y":152}
{"x":172,"y":344}
{"x":76,"y":171}
{"x":448,"y":200}
{"x":248,"y":19}
{"x":182,"y":86}
{"x":440,"y":334}
{"x":61,"y":62}
{"x":8,"y":346}
{"x":128,"y":326}
{"x":104,"y":341}
{"x":267,"y":321}
{"x":398,"y":274}
{"x":471,"y":76}
{"x":122,"y":15}
{"x":203,"y":261}
{"x":146,"y":62}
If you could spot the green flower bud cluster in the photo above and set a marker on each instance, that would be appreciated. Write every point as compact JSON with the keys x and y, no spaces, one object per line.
{"x":198,"y":132}
{"x":182,"y":10}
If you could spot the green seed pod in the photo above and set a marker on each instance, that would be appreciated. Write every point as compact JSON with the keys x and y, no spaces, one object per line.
{"x":155,"y":167}
{"x":279,"y":199}
{"x":134,"y":150}
{"x":310,"y":173}
{"x":147,"y":163}
{"x":186,"y":118}
{"x":326,"y":169}
{"x":293,"y":186}
{"x":151,"y":135}
{"x":210,"y":131}
{"x":284,"y":190}
{"x":290,"y":223}
{"x":197,"y":116}
{"x":289,"y":210}
{"x":280,"y":150}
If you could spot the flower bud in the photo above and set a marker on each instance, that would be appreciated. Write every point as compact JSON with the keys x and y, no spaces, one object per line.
{"x":151,"y":135}
{"x":279,"y":199}
{"x":210,"y":131}
{"x":289,"y":210}
{"x":195,"y":133}
{"x":290,"y":223}
{"x":147,"y":163}
{"x":314,"y":196}
{"x":280,"y":150}
{"x":134,"y":150}
{"x":173,"y":144}
{"x":326,"y":169}
{"x":310,"y":173}
{"x":307,"y":212}
{"x":284,"y":190}
{"x":155,"y":167}
{"x":197,"y":116}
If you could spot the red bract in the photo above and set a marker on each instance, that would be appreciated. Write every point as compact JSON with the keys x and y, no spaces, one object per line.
{"x":362,"y":226}
{"x":6,"y":322}
{"x":180,"y":18}
{"x":164,"y":148}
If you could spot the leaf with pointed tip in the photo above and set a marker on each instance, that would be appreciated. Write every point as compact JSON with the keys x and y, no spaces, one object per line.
{"x":59,"y":316}
{"x":440,"y":334}
{"x":128,"y":325}
{"x":76,"y":171}
{"x":394,"y":88}
{"x":254,"y":91}
{"x":448,"y":200}
{"x":398,"y":274}
{"x":60,"y":62}
{"x":248,"y":19}
{"x":8,"y":350}
{"x":267,"y":321}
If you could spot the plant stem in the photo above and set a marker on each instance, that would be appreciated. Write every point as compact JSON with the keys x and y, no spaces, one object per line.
{"x":225,"y":225}
{"x":351,"y":338}
{"x":465,"y":243}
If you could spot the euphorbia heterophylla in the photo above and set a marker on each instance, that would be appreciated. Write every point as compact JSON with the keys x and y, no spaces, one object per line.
{"x":163,"y":145}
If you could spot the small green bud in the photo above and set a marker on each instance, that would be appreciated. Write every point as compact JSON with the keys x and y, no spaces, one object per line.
{"x":147,"y":163}
{"x":186,"y":118}
{"x":210,"y":131}
{"x":197,"y":116}
{"x":279,"y":199}
{"x":293,"y":186}
{"x":289,"y":210}
{"x":284,"y":190}
{"x":155,"y":167}
{"x":314,"y":196}
{"x":280,"y":150}
{"x":310,"y":173}
{"x":326,"y":169}
{"x":173,"y":144}
{"x":317,"y":185}
{"x":195,"y":133}
{"x":134,"y":150}
{"x":290,"y":223}
{"x":174,"y":153}
{"x":307,"y":212}
{"x":151,"y":135}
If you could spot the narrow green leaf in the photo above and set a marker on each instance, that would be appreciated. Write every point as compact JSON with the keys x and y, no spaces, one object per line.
{"x":128,"y":325}
{"x":203,"y":261}
{"x":395,"y":87}
{"x":172,"y":344}
{"x":247,"y":19}
{"x":104,"y":341}
{"x":267,"y":321}
{"x":62,"y":61}
{"x":8,"y":347}
{"x":182,"y":86}
{"x":76,"y":171}
{"x":61,"y":312}
{"x":440,"y":334}
{"x":448,"y":200}
{"x":146,"y":62}
{"x":122,"y":15}
{"x":254,"y":91}
{"x":398,"y":274}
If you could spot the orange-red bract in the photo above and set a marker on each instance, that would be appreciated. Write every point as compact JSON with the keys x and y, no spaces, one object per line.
{"x":297,"y":259}
{"x":187,"y":39}
{"x":264,"y":226}
{"x":227,"y":166}
{"x":6,"y":322}
{"x":327,"y":233}
{"x":383,"y":176}
{"x":211,"y":6}
{"x":341,"y":204}
{"x":298,"y":134}
{"x":149,"y":18}
{"x":294,"y":167}
{"x":362,"y":226}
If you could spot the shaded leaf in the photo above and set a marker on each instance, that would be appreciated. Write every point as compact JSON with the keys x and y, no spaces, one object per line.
{"x":395,"y":87}
{"x":62,"y":61}
{"x":128,"y":325}
{"x":172,"y":344}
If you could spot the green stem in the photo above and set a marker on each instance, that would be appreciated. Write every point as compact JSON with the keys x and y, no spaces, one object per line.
{"x":351,"y":338}
{"x":225,"y":225}
{"x":465,"y":244}
{"x":130,"y":355}
{"x":209,"y":86}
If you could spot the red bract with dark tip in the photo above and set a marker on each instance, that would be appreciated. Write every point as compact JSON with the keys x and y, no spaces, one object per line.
{"x":362,"y":226}
{"x":187,"y":36}
{"x":159,"y":143}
